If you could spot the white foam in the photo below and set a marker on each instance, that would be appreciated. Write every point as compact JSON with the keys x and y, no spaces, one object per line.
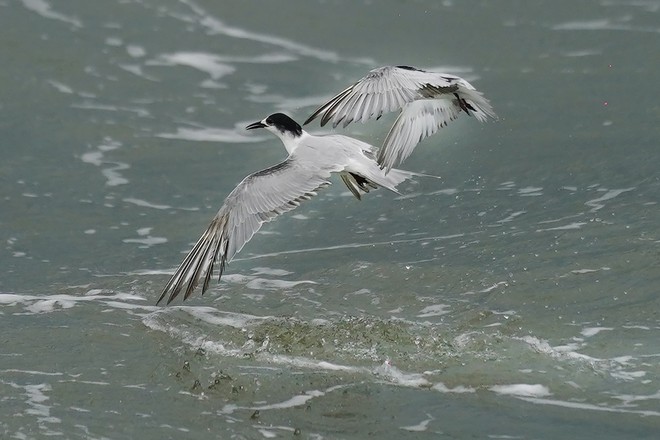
{"x":561,"y":219}
{"x":508,"y":185}
{"x":587,"y":406}
{"x":573,"y":225}
{"x":269,"y":271}
{"x":129,"y":306}
{"x":567,"y":351}
{"x":136,"y":70}
{"x":212,"y":84}
{"x":592,"y":331}
{"x":37,"y":304}
{"x":213,"y":316}
{"x":314,"y":364}
{"x":135,"y":51}
{"x":208,"y":63}
{"x":88,"y":382}
{"x":144,"y":203}
{"x":44,"y":9}
{"x":293,"y":402}
{"x":441,"y":387}
{"x":50,"y":305}
{"x":530,"y":191}
{"x":585,"y":271}
{"x":605,"y":24}
{"x":596,"y":204}
{"x":434,"y":310}
{"x":447,"y":192}
{"x":629,"y":399}
{"x":582,"y":25}
{"x":495,"y":286}
{"x":10,"y":298}
{"x":512,"y":216}
{"x":335,"y":367}
{"x":142,"y":112}
{"x":628,"y":375}
{"x":93,"y":157}
{"x":216,"y":26}
{"x":420,"y":427}
{"x":209,"y":134}
{"x":36,"y":396}
{"x":392,"y":374}
{"x":114,"y":41}
{"x":32,"y":372}
{"x":112,"y":172}
{"x":287,"y":103}
{"x":61,"y":87}
{"x":147,"y":241}
{"x":266,"y":433}
{"x":581,"y":53}
{"x":614,"y":366}
{"x":272,"y":284}
{"x":521,"y":389}
{"x":36,"y":399}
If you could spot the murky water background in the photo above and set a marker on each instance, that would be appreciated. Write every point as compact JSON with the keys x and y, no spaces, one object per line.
{"x":517,"y":297}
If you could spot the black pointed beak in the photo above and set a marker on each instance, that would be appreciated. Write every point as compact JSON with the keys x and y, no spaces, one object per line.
{"x":255,"y":125}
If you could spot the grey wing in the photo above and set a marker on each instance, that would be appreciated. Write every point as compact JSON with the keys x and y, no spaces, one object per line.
{"x":424,"y":117}
{"x":383,"y":90}
{"x":259,"y":198}
{"x":417,"y":121}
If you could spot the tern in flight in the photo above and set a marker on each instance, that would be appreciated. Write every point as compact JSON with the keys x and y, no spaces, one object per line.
{"x":264,"y":195}
{"x":428,"y":101}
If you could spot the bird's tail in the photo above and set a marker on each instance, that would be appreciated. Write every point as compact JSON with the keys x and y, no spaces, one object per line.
{"x":474,"y":103}
{"x":373,"y":177}
{"x":393,"y":178}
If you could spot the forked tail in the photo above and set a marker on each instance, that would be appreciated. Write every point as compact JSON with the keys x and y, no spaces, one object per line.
{"x":473,"y":103}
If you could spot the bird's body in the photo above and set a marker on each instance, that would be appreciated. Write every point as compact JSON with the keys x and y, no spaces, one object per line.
{"x":427,"y":100}
{"x":264,"y":195}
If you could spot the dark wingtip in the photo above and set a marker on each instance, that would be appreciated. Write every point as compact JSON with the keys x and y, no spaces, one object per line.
{"x":310,"y":119}
{"x":173,"y":295}
{"x":410,"y":68}
{"x":164,"y":294}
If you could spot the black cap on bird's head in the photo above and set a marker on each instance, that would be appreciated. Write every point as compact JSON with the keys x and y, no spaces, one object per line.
{"x":279,"y":121}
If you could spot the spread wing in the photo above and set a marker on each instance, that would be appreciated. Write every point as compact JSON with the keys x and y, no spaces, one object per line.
{"x":424,"y":117}
{"x":259,"y":198}
{"x":383,"y":90}
{"x":417,"y":121}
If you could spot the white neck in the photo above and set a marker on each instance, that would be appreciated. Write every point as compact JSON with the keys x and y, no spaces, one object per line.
{"x":290,"y":142}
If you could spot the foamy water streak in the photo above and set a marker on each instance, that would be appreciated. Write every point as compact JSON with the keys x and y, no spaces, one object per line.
{"x":38,"y":304}
{"x":45,"y":9}
{"x":215,"y":26}
{"x":210,"y":134}
{"x":111,"y":170}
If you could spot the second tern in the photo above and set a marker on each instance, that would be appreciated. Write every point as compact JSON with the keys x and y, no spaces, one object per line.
{"x":428,"y":101}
